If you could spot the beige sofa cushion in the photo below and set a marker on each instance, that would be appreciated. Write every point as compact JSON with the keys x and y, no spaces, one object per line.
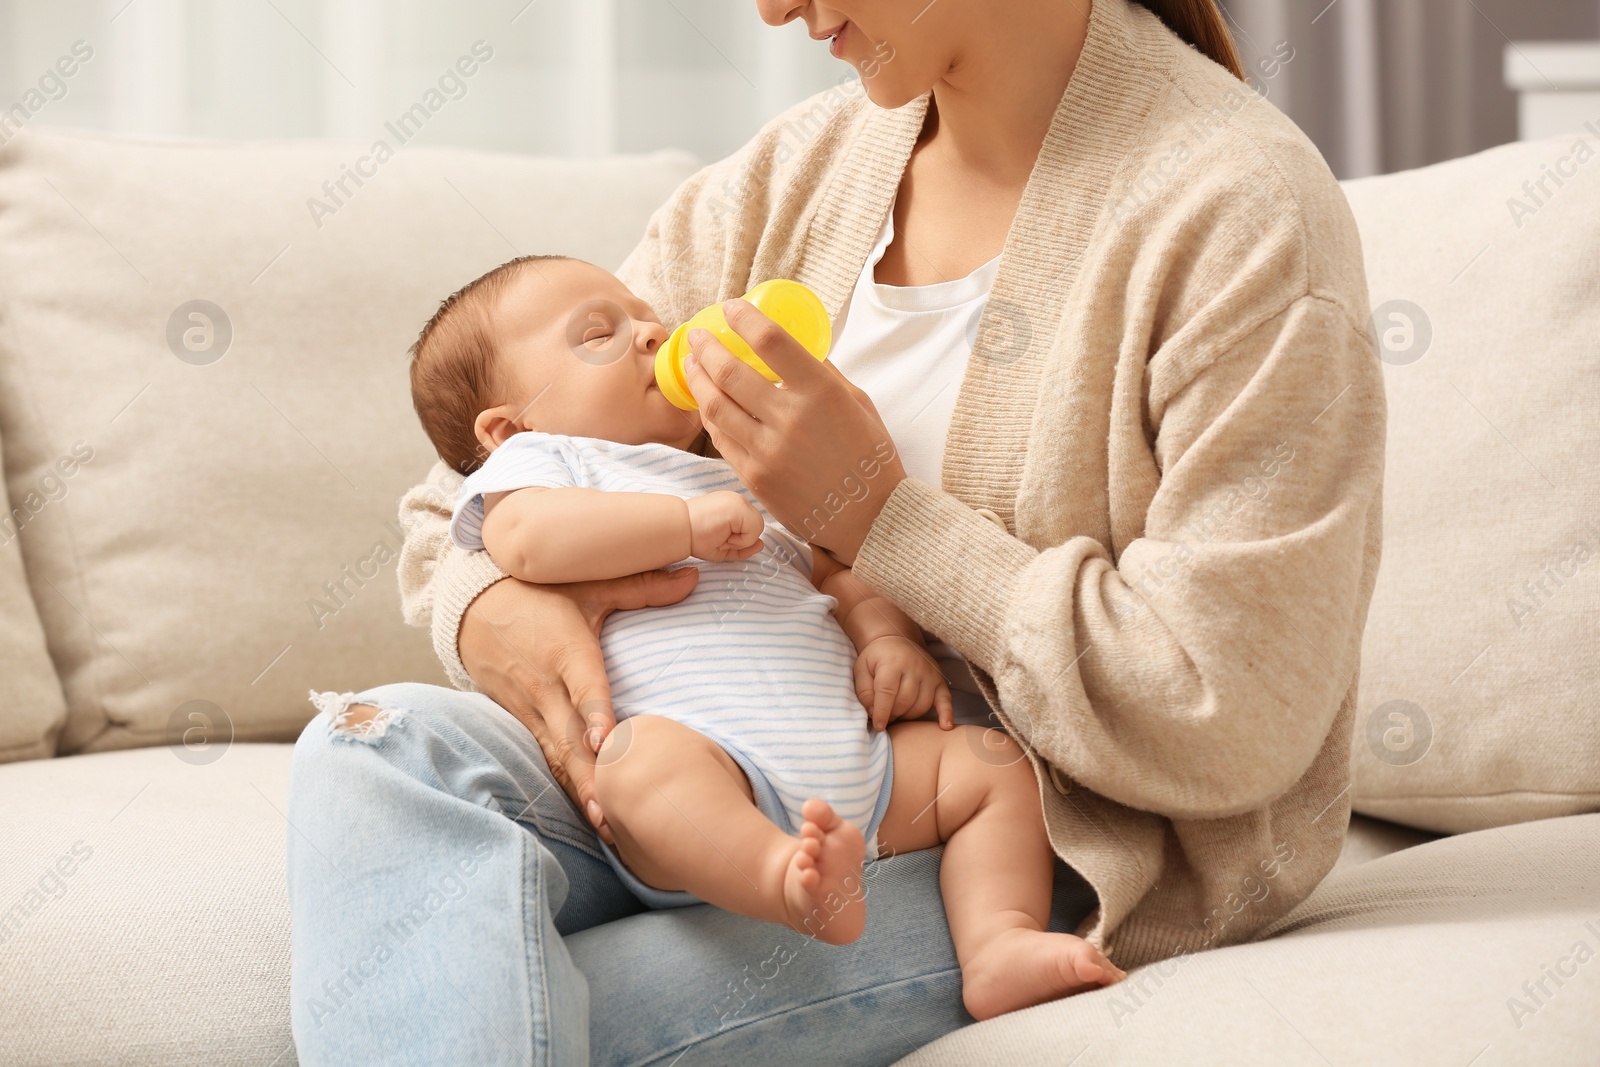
{"x":145,"y":917}
{"x":230,"y":543}
{"x":1367,"y":839}
{"x":32,"y":707}
{"x":169,"y":934}
{"x":1480,"y":668}
{"x":1419,"y":957}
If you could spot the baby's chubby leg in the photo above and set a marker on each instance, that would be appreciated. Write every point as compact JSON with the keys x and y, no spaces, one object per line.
{"x":975,"y":791}
{"x":684,"y":817}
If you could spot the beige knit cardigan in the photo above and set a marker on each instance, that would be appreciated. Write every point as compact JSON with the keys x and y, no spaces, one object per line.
{"x":1173,"y":408}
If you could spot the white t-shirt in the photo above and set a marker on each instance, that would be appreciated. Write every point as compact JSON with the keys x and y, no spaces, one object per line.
{"x":907,"y":347}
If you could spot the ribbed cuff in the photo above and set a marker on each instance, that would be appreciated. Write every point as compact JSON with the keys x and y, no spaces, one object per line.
{"x":462,"y":576}
{"x":946,"y":566}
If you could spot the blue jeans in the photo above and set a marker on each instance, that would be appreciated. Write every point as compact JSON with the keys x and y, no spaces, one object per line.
{"x":451,"y":905}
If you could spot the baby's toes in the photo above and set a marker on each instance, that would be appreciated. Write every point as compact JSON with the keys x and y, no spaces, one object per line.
{"x":1092,"y":966}
{"x":1106,"y":965}
{"x":819,"y":811}
{"x":1088,"y":970}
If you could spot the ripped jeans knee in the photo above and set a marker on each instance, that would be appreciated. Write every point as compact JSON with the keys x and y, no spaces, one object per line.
{"x":354,"y":719}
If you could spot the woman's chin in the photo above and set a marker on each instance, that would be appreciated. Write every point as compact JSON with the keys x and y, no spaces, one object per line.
{"x":889,"y":95}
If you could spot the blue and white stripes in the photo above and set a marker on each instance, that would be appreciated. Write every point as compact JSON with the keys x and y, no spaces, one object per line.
{"x":753,"y":658}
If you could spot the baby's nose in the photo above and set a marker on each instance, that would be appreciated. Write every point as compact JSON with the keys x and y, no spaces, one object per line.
{"x":649,"y":336}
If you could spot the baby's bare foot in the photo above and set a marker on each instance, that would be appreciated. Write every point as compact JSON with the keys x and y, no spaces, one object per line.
{"x":822,"y":889}
{"x":1022,"y":967}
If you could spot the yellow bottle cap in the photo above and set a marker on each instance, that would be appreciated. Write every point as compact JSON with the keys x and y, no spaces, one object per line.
{"x":788,"y":303}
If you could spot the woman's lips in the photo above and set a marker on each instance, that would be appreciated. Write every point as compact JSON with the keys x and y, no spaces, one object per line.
{"x":833,"y":38}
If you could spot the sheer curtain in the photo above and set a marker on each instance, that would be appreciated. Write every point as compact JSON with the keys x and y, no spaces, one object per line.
{"x":1383,"y":85}
{"x":1379,"y":84}
{"x":567,"y":77}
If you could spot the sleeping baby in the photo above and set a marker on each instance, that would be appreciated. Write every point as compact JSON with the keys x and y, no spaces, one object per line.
{"x":764,"y":747}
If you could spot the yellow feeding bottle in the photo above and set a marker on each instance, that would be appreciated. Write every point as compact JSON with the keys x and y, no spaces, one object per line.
{"x":789,"y":304}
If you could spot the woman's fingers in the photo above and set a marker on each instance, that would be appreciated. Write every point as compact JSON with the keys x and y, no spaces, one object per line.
{"x":794,"y":447}
{"x":731,"y":395}
{"x":535,"y":651}
{"x":588,"y":691}
{"x":582,"y":707}
{"x":582,"y":700}
{"x":650,"y":589}
{"x":778,"y":349}
{"x":572,"y":761}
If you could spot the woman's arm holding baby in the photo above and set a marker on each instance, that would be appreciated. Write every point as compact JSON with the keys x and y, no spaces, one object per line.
{"x":555,"y":536}
{"x":895,"y":676}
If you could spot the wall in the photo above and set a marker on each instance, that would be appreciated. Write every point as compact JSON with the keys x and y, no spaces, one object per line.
{"x":1385,"y":85}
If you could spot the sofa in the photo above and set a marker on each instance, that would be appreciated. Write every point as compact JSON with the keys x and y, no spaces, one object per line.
{"x":205,"y":428}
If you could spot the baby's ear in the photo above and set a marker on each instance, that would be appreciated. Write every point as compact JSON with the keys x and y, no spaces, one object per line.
{"x":495,"y":426}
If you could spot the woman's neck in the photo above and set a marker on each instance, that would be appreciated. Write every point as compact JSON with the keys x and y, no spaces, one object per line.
{"x":992,"y":109}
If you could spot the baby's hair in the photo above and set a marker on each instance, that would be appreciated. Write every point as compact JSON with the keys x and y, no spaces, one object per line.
{"x":454,"y":365}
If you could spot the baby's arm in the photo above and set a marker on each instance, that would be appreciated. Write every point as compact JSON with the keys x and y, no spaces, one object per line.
{"x":877,"y":616}
{"x":895,"y":676}
{"x":551,"y":536}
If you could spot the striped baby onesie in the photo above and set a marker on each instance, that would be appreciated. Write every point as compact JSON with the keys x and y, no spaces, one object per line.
{"x":753,"y":658}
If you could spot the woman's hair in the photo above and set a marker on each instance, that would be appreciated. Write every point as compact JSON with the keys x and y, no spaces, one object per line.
{"x":1200,"y":22}
{"x":454,"y":372}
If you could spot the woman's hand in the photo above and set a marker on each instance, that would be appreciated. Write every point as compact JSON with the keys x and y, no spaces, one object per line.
{"x":814,"y":452}
{"x":535,"y":651}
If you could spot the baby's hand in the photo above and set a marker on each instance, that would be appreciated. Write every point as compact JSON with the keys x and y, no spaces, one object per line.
{"x":723,"y":526}
{"x":897,"y":679}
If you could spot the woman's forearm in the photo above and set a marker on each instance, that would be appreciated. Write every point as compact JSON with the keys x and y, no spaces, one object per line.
{"x":1198,"y":672}
{"x":554,"y":536}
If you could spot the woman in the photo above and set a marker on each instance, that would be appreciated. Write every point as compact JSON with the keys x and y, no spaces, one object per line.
{"x":1138,"y":508}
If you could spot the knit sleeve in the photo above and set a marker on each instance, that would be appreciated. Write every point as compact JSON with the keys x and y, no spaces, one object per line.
{"x":438,"y":579}
{"x":1197,"y":675}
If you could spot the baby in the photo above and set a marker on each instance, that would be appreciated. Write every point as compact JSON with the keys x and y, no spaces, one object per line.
{"x":752,"y":765}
